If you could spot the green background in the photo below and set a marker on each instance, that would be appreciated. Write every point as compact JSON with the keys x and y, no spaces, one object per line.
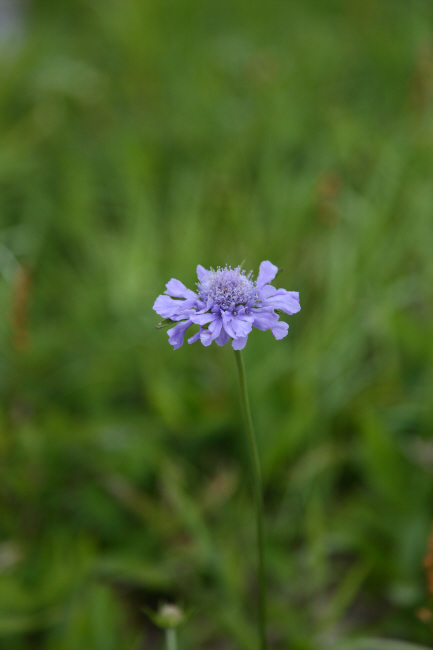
{"x":139,"y":139}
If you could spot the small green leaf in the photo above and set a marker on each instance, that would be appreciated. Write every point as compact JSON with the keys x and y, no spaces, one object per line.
{"x":164,"y":323}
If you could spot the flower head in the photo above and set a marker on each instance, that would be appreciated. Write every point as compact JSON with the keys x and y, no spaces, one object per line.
{"x":227,"y":305}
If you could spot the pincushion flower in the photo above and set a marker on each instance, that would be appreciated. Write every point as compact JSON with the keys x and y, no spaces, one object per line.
{"x":227,"y":305}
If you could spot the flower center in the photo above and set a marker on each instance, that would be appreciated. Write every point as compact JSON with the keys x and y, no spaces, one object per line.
{"x":227,"y":287}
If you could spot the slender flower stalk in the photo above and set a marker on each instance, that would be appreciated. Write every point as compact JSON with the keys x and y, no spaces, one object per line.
{"x":258,"y":494}
{"x":171,"y":638}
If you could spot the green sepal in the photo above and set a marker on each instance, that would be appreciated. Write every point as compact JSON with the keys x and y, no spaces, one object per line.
{"x":164,"y":323}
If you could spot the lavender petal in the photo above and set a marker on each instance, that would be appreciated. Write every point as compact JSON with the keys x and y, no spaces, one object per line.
{"x":203,"y":319}
{"x":195,"y":338}
{"x":202,"y":272}
{"x":287,"y":301}
{"x":239,"y":343}
{"x":280,"y":329}
{"x":167,"y":307}
{"x":267,"y":273}
{"x":177,"y":334}
{"x":222,"y":338}
{"x":209,"y":335}
{"x":176,"y":289}
{"x":265,"y":319}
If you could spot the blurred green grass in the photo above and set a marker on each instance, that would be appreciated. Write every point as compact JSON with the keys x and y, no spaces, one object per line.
{"x":139,"y":139}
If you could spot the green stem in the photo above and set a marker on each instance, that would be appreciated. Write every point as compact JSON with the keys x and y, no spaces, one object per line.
{"x":258,"y":494}
{"x":171,"y":639}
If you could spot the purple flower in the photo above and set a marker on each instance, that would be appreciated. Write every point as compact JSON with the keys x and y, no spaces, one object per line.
{"x":227,"y":305}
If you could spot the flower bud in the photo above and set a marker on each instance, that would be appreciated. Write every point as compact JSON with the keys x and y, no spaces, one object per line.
{"x":169,"y":616}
